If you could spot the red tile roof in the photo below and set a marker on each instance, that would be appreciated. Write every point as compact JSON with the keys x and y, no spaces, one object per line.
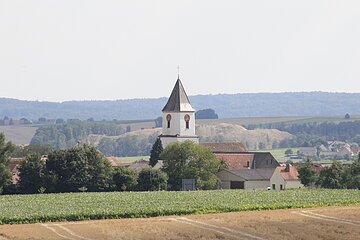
{"x":236,"y":161}
{"x":292,"y":174}
{"x":355,"y":150}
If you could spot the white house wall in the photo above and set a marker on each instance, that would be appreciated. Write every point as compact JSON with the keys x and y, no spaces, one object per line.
{"x":293,"y":184}
{"x":277,"y":179}
{"x":257,"y":184}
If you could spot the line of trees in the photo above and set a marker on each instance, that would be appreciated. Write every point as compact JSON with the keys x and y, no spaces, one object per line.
{"x":84,"y":168}
{"x":311,"y":134}
{"x":127,"y":145}
{"x":337,"y":176}
{"x":68,"y":135}
{"x":62,"y":136}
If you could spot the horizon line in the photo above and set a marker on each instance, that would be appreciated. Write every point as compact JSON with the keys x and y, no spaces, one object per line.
{"x":152,"y":98}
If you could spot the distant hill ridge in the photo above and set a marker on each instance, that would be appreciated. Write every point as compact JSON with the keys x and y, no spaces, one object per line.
{"x":225,"y":105}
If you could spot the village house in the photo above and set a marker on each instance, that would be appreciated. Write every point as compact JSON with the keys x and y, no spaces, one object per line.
{"x":334,"y":150}
{"x":308,"y":151}
{"x":256,"y":170}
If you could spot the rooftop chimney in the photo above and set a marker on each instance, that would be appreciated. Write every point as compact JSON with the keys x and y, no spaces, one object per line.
{"x":287,"y":167}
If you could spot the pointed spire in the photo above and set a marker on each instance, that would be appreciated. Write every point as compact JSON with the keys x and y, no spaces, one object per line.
{"x":178,"y":72}
{"x":178,"y":100}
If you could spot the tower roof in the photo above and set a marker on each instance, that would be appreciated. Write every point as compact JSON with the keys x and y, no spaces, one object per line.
{"x":178,"y":100}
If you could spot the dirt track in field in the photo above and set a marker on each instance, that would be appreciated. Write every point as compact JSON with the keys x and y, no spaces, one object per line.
{"x":319,"y":223}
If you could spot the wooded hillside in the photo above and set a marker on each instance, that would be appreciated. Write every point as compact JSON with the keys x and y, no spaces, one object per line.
{"x":225,"y":105}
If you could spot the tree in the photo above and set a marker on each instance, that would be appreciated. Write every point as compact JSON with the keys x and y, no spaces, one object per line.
{"x":188,"y":160}
{"x":333,"y":176}
{"x":23,"y":151}
{"x":288,"y":152}
{"x":6,"y":149}
{"x":79,"y":167}
{"x":354,"y":178}
{"x":152,"y":180}
{"x":32,"y":174}
{"x":156,"y":151}
{"x":206,"y":114}
{"x":307,"y":174}
{"x":125,"y":178}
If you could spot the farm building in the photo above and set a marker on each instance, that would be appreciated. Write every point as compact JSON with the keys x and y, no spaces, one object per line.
{"x":279,"y":178}
{"x":256,"y":170}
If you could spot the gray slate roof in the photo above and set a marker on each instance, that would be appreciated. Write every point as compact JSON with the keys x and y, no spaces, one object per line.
{"x":254,"y":174}
{"x":178,"y":100}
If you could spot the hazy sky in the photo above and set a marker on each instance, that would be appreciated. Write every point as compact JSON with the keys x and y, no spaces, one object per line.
{"x":86,"y":49}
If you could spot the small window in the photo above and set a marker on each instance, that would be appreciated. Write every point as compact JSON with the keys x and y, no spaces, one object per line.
{"x":273,"y":186}
{"x":187,"y":121}
{"x":168,"y":119}
{"x":281,"y":187}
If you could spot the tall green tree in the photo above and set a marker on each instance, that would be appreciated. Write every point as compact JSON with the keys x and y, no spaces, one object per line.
{"x":333,"y":176}
{"x":152,"y":180}
{"x":156,"y":151}
{"x":307,"y":174}
{"x":6,"y":149}
{"x":354,"y":179}
{"x":188,"y":160}
{"x":32,"y":174}
{"x":78,"y":168}
{"x":125,"y":178}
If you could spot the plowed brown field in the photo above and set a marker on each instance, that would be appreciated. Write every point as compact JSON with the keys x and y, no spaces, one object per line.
{"x":319,"y":223}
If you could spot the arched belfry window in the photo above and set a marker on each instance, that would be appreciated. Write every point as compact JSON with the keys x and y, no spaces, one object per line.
{"x":187,"y":121}
{"x":168,"y":119}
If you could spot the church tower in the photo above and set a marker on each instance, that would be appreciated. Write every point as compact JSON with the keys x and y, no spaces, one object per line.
{"x":178,"y":118}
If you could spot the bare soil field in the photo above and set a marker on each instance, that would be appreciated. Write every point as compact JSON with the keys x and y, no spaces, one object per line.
{"x":318,"y":223}
{"x":20,"y":135}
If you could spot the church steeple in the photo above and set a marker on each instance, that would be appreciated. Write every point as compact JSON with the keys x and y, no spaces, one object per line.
{"x":178,"y":100}
{"x":178,"y":117}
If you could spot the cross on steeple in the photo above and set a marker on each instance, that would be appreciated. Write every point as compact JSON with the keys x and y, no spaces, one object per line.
{"x":178,"y":68}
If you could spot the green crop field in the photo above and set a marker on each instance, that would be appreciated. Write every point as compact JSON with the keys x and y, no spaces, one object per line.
{"x":84,"y":206}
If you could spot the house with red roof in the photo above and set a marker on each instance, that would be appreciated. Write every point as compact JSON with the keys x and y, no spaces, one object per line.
{"x":256,"y":170}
